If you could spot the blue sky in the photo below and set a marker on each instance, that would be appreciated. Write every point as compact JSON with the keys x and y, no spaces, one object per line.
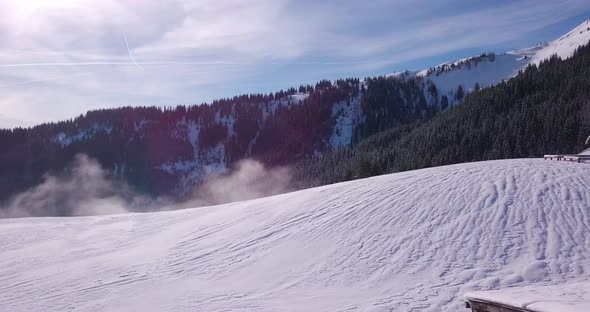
{"x":60,"y":58}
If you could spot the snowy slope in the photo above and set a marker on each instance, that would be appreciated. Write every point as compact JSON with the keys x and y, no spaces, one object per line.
{"x":346,"y":115}
{"x":485,"y":73}
{"x":413,"y":241}
{"x":565,"y":46}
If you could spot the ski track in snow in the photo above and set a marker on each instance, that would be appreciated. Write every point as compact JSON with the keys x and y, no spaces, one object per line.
{"x":412,"y":241}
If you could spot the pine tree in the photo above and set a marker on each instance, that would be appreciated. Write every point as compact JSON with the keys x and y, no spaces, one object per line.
{"x":444,"y":102}
{"x":460,"y":93}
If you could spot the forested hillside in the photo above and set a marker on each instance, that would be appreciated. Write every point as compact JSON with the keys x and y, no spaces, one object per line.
{"x":543,"y":110}
{"x":170,"y":151}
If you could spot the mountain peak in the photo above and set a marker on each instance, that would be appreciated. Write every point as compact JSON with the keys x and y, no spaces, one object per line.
{"x":566,"y":45}
{"x":489,"y":69}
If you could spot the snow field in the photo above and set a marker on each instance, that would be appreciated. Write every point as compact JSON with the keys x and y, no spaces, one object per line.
{"x":413,"y":241}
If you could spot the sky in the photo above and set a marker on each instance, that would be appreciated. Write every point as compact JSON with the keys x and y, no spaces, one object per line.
{"x":61,"y":58}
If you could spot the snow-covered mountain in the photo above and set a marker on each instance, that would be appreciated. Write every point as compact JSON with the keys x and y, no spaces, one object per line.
{"x":413,"y":241}
{"x":491,"y":68}
{"x":565,"y":46}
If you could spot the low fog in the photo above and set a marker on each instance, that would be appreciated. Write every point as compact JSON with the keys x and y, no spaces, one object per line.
{"x":84,"y":189}
{"x":249,"y":180}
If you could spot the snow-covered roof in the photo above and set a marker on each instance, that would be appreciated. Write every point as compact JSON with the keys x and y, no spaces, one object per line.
{"x":567,"y":297}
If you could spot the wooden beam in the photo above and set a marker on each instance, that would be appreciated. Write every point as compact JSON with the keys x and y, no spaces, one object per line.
{"x":486,"y":306}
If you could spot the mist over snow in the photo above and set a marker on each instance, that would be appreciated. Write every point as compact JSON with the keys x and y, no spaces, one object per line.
{"x":250,"y":179}
{"x":84,"y":188}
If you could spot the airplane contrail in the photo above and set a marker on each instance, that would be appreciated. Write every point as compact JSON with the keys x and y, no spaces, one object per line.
{"x":98,"y":63}
{"x":213,"y":63}
{"x":167,"y":63}
{"x":130,"y":54}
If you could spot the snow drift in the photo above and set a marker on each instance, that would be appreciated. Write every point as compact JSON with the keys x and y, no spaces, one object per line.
{"x":413,"y":241}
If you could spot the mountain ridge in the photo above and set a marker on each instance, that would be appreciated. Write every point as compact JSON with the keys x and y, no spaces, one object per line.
{"x":491,"y":68}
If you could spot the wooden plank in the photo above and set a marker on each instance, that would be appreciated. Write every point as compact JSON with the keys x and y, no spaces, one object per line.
{"x":486,"y":306}
{"x":574,"y":158}
{"x":571,"y":158}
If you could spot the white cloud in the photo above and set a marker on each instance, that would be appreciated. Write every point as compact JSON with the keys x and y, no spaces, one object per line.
{"x":187,"y":46}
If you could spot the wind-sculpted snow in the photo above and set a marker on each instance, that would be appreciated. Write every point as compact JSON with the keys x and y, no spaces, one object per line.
{"x":414,"y":241}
